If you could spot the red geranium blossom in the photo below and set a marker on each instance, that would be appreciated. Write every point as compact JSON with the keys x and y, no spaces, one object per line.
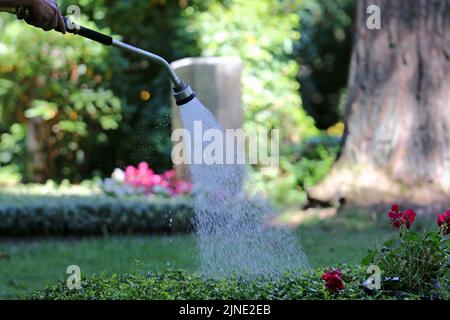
{"x":395,"y":216}
{"x":444,"y":220}
{"x":333,"y":280}
{"x":399,"y":218}
{"x":408,"y":217}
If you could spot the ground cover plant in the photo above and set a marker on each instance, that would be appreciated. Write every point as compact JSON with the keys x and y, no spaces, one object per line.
{"x":173,"y":284}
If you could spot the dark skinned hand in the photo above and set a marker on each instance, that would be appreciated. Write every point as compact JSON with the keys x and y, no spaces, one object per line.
{"x":45,"y":14}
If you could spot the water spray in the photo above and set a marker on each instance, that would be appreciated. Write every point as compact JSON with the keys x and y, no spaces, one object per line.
{"x":181,"y":91}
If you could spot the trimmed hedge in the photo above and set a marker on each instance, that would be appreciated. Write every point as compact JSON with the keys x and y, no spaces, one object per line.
{"x":170,"y":285}
{"x":34,"y":215}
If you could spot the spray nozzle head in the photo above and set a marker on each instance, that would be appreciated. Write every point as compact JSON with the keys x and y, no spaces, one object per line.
{"x":183,"y":93}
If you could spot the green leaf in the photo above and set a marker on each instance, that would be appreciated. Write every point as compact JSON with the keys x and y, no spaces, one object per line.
{"x":369,"y":257}
{"x":390,"y":243}
{"x":5,"y":86}
{"x":43,"y":109}
{"x":74,"y":127}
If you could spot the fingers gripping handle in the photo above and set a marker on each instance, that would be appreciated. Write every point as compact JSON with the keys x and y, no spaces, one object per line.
{"x":87,"y":33}
{"x":23,"y":13}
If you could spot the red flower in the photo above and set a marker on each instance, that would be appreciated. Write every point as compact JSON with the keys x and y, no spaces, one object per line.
{"x":443,"y":221}
{"x":395,"y":216}
{"x":399,"y":218}
{"x":333,"y":280}
{"x":408,"y":217}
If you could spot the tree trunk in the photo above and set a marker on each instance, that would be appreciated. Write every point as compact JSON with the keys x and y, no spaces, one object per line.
{"x":37,"y":169}
{"x":397,"y":135}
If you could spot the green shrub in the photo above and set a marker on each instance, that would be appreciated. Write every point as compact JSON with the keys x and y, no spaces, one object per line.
{"x":170,"y":285}
{"x":36,"y":215}
{"x":54,"y":90}
{"x":419,"y":260}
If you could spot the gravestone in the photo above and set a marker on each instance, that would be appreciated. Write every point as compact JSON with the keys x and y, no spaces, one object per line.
{"x":217,"y":83}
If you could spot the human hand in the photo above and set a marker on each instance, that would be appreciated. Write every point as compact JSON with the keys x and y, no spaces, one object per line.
{"x":45,"y":14}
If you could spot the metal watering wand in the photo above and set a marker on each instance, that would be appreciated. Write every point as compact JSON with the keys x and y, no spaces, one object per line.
{"x":181,"y":91}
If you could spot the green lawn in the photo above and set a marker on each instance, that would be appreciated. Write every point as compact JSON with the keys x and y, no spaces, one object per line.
{"x":32,"y":264}
{"x":27,"y":265}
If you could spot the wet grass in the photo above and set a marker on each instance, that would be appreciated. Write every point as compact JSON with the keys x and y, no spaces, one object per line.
{"x":29,"y":265}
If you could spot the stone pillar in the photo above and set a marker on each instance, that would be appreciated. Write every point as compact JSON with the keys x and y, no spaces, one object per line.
{"x":217,"y":83}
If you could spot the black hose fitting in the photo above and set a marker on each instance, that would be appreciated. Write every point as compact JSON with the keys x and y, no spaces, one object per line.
{"x":183,"y":93}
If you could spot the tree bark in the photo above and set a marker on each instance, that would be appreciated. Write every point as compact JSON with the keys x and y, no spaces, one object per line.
{"x":398,"y":109}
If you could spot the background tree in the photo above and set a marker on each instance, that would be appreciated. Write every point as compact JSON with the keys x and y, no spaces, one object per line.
{"x":397,"y":139}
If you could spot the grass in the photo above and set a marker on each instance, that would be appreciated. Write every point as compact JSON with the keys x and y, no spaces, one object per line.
{"x":29,"y":265}
{"x":344,"y":238}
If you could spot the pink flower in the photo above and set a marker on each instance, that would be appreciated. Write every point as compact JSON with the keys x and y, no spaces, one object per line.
{"x":156,"y":179}
{"x":145,"y":178}
{"x":143,"y":167}
{"x":182,"y":187}
{"x":130,"y":175}
{"x":169,"y":175}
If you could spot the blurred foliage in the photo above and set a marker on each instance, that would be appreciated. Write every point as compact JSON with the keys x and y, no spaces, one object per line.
{"x":324,"y":52}
{"x":53,"y":94}
{"x":264,"y":40}
{"x":144,"y":88}
{"x":12,"y":145}
{"x":305,"y":165}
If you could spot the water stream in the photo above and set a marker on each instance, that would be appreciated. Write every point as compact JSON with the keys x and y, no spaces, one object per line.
{"x":230,"y":228}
